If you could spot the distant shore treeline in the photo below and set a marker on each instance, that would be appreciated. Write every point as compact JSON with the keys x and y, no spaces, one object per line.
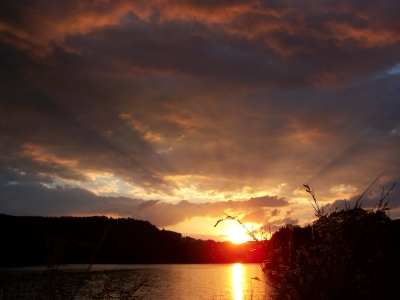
{"x":27,"y":241}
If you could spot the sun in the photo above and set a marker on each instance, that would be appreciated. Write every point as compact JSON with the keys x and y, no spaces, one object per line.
{"x":236,"y":234}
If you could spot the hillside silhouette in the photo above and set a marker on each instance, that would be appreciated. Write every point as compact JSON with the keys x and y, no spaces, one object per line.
{"x":27,"y":241}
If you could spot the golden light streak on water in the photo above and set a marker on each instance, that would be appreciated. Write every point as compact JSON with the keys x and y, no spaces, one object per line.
{"x":237,"y":281}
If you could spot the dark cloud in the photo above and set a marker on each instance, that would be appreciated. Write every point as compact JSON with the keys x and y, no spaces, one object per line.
{"x":275,"y":212}
{"x":38,"y":199}
{"x":147,"y":204}
{"x":260,"y":216}
{"x":370,"y":200}
{"x":166,"y":214}
{"x":270,"y":201}
{"x":241,"y":42}
{"x":256,"y":216}
{"x":276,"y":224}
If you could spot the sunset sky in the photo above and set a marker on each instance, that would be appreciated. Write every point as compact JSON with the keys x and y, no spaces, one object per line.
{"x":178,"y":111}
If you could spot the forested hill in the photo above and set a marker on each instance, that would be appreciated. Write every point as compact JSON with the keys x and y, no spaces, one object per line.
{"x":29,"y":241}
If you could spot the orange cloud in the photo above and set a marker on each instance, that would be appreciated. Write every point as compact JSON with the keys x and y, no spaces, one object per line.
{"x":45,"y":24}
{"x":41,"y":155}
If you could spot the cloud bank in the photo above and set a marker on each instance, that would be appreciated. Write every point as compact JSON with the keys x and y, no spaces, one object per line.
{"x":33,"y":199}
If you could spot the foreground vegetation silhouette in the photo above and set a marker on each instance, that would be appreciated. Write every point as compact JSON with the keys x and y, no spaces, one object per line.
{"x":349,"y":254}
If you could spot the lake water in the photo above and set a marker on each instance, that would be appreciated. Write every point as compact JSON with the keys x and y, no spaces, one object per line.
{"x":172,"y":282}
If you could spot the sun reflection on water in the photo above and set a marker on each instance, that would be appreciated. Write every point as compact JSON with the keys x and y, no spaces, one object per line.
{"x":237,"y":281}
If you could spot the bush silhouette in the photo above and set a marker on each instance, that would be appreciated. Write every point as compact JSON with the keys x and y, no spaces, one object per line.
{"x":350,"y":254}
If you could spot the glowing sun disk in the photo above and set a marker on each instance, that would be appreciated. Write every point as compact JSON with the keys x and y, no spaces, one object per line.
{"x":236,"y":234}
